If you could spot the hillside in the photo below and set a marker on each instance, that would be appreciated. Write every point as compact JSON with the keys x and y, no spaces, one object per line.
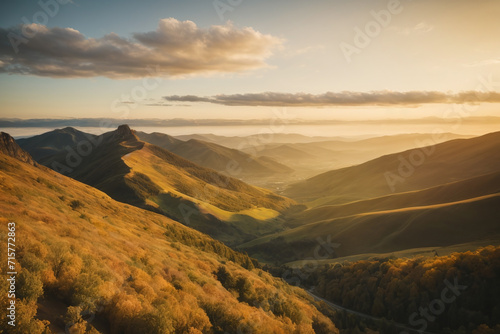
{"x":386,"y":231}
{"x":451,"y":192}
{"x":414,"y":169}
{"x":87,"y":263}
{"x":225,"y":160}
{"x":145,"y":175}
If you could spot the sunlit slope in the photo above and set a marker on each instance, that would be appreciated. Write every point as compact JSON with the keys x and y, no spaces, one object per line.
{"x":405,"y":171}
{"x":145,"y":175}
{"x":123,"y":269}
{"x":225,"y":208}
{"x":387,"y":231}
{"x":446,"y":193}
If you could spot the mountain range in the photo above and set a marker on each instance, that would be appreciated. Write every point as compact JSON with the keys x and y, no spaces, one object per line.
{"x":142,"y":174}
{"x":405,"y":196}
{"x":88,"y":263}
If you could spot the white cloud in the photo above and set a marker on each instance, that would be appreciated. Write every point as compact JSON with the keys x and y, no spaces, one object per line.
{"x":176,"y":48}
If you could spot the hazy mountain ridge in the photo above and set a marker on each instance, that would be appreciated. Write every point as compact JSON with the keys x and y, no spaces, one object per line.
{"x":441,"y":163}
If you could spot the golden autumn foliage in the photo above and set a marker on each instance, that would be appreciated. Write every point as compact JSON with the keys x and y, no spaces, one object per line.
{"x":104,"y":267}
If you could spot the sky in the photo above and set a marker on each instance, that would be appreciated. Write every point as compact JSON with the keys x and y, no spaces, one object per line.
{"x":245,"y":59}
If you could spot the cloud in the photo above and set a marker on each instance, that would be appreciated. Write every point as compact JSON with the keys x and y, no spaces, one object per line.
{"x":176,"y":48}
{"x":346,"y":98}
{"x":188,"y":98}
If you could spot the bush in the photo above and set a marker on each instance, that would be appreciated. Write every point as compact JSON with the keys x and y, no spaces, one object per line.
{"x":30,"y":286}
{"x":75,"y":204}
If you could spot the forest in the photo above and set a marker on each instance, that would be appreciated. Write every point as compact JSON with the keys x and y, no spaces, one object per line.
{"x":457,"y":293}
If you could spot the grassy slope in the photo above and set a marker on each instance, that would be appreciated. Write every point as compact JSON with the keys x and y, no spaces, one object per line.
{"x":225,"y":208}
{"x":450,"y":192}
{"x":140,"y":269}
{"x":450,"y":161}
{"x":389,"y":231}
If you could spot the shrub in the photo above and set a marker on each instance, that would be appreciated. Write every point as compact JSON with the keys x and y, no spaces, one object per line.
{"x":75,"y":204}
{"x":30,"y":286}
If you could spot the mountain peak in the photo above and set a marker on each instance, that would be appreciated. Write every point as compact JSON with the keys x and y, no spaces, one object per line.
{"x":124,"y":132}
{"x":124,"y":129}
{"x":9,"y":146}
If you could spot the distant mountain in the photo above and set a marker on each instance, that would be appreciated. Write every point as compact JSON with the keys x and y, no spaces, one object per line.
{"x":311,"y":158}
{"x":414,"y":169}
{"x":159,"y":139}
{"x":229,"y":161}
{"x":288,"y":152}
{"x":54,"y":142}
{"x":242,"y":142}
{"x":87,"y":263}
{"x":145,"y":175}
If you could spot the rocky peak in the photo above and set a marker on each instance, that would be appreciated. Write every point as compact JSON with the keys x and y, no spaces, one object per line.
{"x":124,"y":133}
{"x":9,"y":146}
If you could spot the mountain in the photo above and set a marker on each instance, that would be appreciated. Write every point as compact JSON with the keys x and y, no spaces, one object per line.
{"x":159,"y":139}
{"x":87,"y":263}
{"x":54,"y":142}
{"x":229,"y":161}
{"x":145,"y":175}
{"x":405,"y":171}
